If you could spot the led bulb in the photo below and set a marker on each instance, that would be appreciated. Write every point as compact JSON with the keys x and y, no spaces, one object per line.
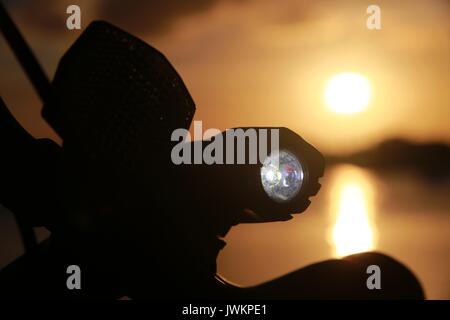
{"x":282,"y":176}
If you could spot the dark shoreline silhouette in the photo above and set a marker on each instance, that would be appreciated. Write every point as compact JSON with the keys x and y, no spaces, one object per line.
{"x":430,"y":160}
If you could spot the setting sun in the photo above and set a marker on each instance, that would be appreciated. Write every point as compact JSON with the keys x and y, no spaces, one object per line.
{"x":347,"y":93}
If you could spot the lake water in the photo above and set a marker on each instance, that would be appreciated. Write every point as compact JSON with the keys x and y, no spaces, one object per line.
{"x":356,"y":210}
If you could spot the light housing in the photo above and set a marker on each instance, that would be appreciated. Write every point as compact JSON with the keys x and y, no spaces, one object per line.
{"x":240,"y":192}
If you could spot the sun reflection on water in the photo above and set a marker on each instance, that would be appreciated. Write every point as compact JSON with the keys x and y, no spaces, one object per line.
{"x":352,"y":199}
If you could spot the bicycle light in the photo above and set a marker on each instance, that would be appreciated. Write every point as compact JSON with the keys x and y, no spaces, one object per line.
{"x":272,"y":188}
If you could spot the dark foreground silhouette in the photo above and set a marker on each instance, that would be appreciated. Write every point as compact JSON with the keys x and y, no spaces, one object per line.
{"x":118,"y":208}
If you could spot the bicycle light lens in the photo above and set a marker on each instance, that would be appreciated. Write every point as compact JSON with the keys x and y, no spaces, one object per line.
{"x":282,"y":176}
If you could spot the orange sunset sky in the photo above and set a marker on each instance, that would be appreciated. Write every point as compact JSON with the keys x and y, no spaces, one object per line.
{"x":267,"y":62}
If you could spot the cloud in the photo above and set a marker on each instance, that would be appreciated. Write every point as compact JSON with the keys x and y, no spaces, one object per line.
{"x":144,"y":16}
{"x":139,"y":16}
{"x":151,"y":16}
{"x":45,"y":15}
